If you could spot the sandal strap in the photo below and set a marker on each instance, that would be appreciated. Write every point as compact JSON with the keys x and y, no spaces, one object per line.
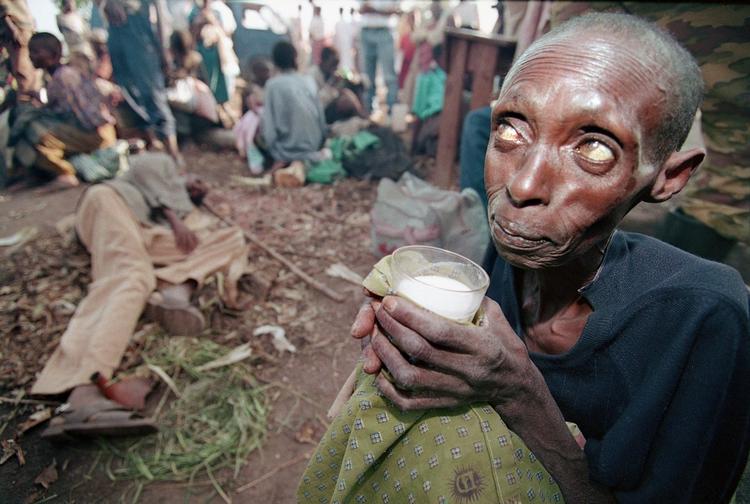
{"x":82,"y":414}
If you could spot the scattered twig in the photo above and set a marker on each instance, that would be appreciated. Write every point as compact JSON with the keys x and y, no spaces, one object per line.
{"x":273,"y":471}
{"x":217,"y":487}
{"x":29,"y":401}
{"x":46,"y":499}
{"x":286,"y":262}
{"x":322,"y":421}
{"x":165,"y":378}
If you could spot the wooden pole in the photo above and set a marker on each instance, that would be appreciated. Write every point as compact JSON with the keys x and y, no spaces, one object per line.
{"x":315,"y":284}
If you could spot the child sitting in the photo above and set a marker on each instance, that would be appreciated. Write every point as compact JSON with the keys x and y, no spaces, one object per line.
{"x":247,"y":128}
{"x":77,"y":117}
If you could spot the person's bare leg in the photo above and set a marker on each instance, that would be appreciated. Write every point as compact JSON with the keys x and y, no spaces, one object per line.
{"x":59,"y":183}
{"x":174,"y":150}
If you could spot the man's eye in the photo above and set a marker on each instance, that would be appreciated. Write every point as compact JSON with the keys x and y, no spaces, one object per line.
{"x":596,"y":151}
{"x":508,"y":133}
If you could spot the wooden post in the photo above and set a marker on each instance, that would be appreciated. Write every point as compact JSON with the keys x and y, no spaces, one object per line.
{"x":482,"y":60}
{"x":450,"y":118}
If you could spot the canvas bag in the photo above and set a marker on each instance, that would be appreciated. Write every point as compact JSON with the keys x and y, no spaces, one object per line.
{"x":413,"y":212}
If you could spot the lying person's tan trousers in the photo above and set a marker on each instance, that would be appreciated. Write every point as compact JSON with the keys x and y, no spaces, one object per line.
{"x":127,"y":260}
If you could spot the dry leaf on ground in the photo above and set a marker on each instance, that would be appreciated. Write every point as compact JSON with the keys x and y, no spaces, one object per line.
{"x":47,"y":476}
{"x":11,"y":448}
{"x":306,"y":433}
{"x":35,"y":419}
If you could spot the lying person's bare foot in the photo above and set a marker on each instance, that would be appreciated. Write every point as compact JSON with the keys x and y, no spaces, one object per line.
{"x":175,"y":313}
{"x":60,"y":184}
{"x":88,"y":413}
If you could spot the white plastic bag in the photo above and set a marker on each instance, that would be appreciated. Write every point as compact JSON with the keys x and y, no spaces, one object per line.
{"x":411,"y":212}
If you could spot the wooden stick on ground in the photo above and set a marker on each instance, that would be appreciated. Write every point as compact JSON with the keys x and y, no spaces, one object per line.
{"x":286,"y":262}
{"x":273,"y":471}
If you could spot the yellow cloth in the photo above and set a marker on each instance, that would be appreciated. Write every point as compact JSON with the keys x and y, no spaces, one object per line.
{"x":127,"y":259}
{"x":65,"y":140}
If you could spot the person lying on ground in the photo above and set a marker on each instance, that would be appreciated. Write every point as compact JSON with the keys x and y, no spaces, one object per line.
{"x":293,"y":126}
{"x":642,"y":345}
{"x":339,"y":102}
{"x":79,"y":119}
{"x":150,"y":247}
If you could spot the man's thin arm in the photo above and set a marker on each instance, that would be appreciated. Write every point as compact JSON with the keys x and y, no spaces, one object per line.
{"x":171,"y":217}
{"x":540,"y":423}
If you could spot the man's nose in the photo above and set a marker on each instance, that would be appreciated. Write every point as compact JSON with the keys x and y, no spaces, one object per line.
{"x":530,"y":183}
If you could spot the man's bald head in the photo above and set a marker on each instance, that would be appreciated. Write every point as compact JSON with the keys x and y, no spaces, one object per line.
{"x":672,"y":71}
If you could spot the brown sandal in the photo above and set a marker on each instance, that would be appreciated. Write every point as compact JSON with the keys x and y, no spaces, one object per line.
{"x":101,"y":417}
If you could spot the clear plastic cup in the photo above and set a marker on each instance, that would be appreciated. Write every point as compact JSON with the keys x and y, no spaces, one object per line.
{"x":438,"y":280}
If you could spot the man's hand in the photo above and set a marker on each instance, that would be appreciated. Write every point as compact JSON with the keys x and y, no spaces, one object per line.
{"x":186,"y":239}
{"x":364,"y":329}
{"x":438,"y":363}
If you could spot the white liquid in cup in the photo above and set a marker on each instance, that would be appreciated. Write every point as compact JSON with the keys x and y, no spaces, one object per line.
{"x":445,"y":296}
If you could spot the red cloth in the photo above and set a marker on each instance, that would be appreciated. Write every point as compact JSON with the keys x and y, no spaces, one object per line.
{"x":407,"y":48}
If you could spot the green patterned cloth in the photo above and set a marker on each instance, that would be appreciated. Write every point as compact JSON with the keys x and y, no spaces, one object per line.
{"x":375,"y":453}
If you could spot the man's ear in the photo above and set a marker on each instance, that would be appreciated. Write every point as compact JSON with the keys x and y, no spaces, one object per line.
{"x":675,"y":173}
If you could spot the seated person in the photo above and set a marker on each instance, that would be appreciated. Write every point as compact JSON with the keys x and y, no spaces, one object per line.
{"x":293,"y":126}
{"x":191,"y":100}
{"x":144,"y":233}
{"x":80,"y":120}
{"x":248,"y":127}
{"x":339,"y":101}
{"x":642,"y":345}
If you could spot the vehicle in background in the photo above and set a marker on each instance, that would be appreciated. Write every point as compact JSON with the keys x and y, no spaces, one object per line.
{"x":259,"y":27}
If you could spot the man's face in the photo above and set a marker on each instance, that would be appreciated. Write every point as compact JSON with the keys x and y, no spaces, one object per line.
{"x":262,"y":74}
{"x":41,"y":57}
{"x":196,"y":188}
{"x":330,"y":65}
{"x":565,"y":160}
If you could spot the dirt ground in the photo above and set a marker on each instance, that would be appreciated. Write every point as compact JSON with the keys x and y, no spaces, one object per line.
{"x":314,"y":226}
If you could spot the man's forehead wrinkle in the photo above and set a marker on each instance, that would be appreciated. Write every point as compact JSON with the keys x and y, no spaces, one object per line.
{"x":614,"y":68}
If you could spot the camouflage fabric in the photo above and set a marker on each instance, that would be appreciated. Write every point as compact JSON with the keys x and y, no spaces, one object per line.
{"x":718,"y":36}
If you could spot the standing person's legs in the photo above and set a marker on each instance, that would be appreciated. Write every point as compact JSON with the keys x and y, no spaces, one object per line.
{"x":370,"y":56}
{"x":385,"y":57}
{"x":123,"y":278}
{"x":162,"y":120}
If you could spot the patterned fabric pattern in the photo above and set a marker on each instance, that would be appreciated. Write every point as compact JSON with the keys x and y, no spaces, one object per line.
{"x":374,"y":453}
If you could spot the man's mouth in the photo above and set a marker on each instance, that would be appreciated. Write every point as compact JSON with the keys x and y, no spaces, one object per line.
{"x":517,"y":238}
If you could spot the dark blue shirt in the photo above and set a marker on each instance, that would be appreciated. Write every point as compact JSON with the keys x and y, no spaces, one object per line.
{"x":659,"y":381}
